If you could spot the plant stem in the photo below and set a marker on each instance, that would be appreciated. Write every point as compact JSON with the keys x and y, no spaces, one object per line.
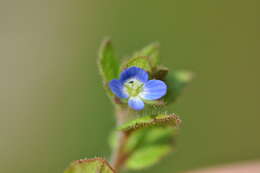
{"x":119,"y":156}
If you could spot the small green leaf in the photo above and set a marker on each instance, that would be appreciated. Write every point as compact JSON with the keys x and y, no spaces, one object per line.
{"x":147,"y":156}
{"x":152,"y":52}
{"x":149,"y":136}
{"x":139,"y":61}
{"x":140,"y":140}
{"x":108,"y":63}
{"x":159,"y":135}
{"x":176,"y":82}
{"x":151,"y":120}
{"x":96,"y":165}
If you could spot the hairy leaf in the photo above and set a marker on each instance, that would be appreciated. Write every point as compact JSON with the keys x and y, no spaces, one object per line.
{"x":147,"y":156}
{"x":150,"y":136}
{"x":152,"y":52}
{"x":108,"y":63}
{"x":152,"y":120}
{"x":96,"y":165}
{"x":138,"y":61}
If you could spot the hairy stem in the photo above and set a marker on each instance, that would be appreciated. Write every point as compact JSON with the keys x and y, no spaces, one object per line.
{"x":119,"y":156}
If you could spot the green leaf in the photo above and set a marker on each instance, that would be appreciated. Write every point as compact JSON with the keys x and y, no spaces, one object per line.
{"x":96,"y":165}
{"x":159,"y":135}
{"x":107,"y":62}
{"x":140,"y":140}
{"x":147,"y":146}
{"x":149,"y":139}
{"x":147,"y":156}
{"x":176,"y":82}
{"x":139,"y":61}
{"x":151,"y":120}
{"x":149,"y":136}
{"x":147,"y":58}
{"x":152,"y":52}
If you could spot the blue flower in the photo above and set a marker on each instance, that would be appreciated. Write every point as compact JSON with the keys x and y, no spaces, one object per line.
{"x":135,"y":86}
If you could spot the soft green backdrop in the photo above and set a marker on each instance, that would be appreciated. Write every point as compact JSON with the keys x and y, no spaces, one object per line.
{"x":52,"y":106}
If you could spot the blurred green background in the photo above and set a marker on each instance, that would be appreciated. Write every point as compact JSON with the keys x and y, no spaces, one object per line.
{"x":53,"y":108}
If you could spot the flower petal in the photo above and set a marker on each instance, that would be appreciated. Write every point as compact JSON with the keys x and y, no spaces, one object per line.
{"x":134,"y":72}
{"x":117,"y":88}
{"x":153,"y":89}
{"x":136,"y":103}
